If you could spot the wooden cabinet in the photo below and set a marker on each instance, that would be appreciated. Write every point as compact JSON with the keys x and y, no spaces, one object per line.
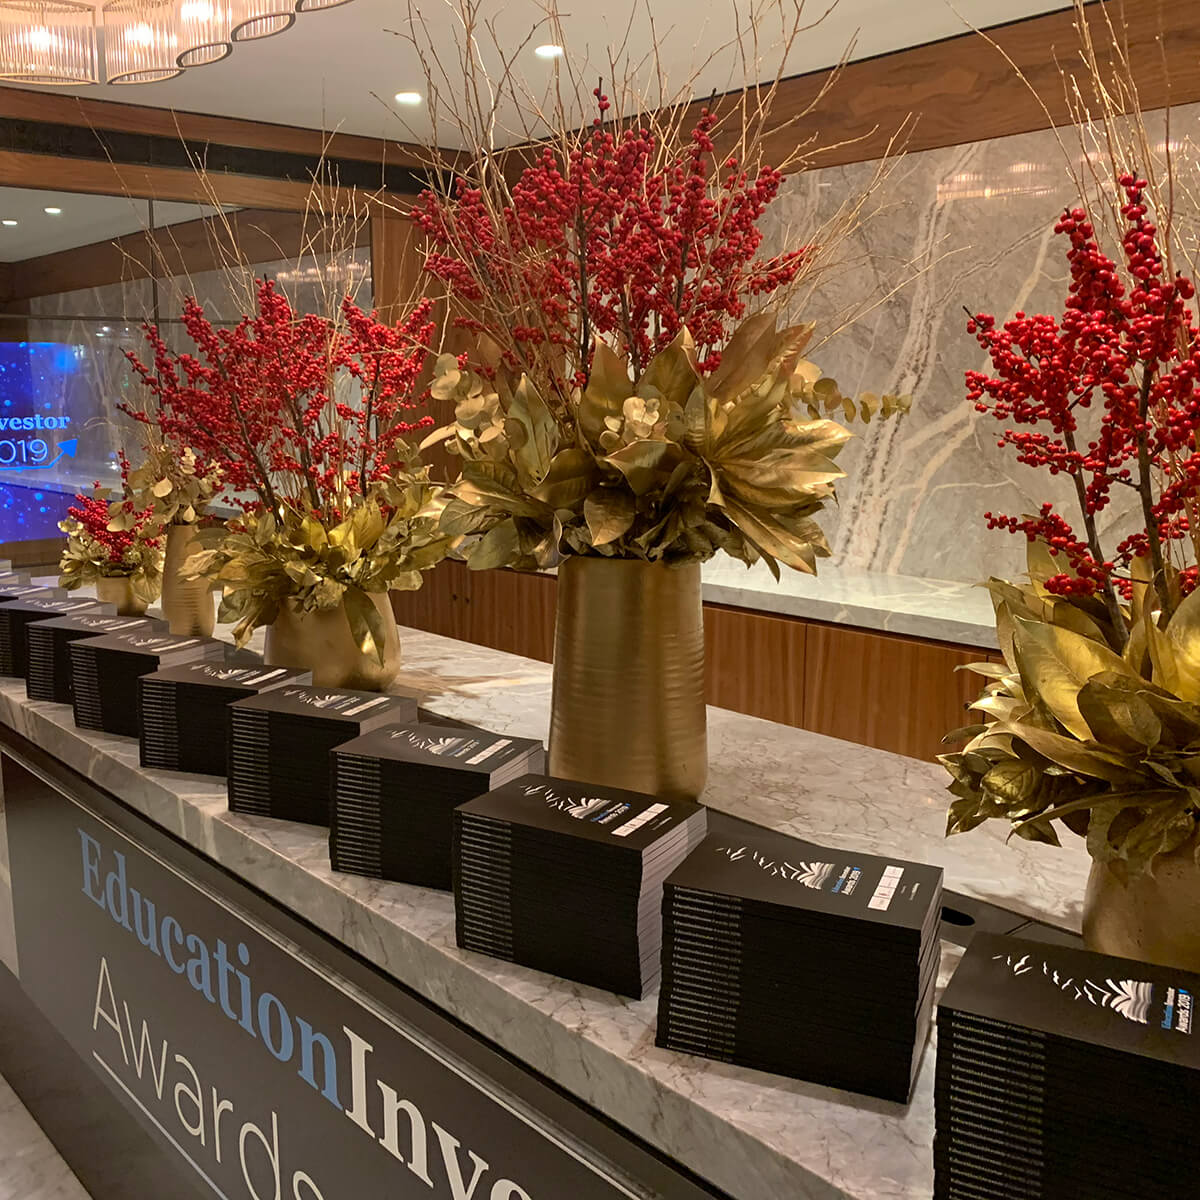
{"x":878,"y":689}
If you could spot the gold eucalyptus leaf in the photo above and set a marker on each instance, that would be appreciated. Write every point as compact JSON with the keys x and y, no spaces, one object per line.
{"x":1055,"y":664}
{"x":162,"y":488}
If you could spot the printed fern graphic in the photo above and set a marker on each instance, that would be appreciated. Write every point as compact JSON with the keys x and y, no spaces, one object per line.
{"x":1131,"y":998}
{"x":811,"y":874}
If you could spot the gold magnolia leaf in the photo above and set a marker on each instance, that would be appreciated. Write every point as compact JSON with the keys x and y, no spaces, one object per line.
{"x":366,"y":623}
{"x":672,"y":372}
{"x":1055,"y":664}
{"x":647,"y":465}
{"x":568,"y":480}
{"x":1087,"y":760}
{"x":530,"y":412}
{"x":497,"y":548}
{"x":746,"y":357}
{"x":1118,"y":717}
{"x":609,"y":513}
{"x":1183,"y":630}
{"x":608,"y":387}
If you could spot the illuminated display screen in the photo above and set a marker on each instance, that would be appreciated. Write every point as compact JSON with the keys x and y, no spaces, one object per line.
{"x":55,"y":435}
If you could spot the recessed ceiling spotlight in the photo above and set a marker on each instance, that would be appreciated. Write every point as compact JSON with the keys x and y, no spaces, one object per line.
{"x":549,"y":51}
{"x":53,"y":212}
{"x":409,"y":98}
{"x":8,"y":221}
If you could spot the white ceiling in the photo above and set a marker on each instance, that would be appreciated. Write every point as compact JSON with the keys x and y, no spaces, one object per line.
{"x":339,"y":68}
{"x":84,"y":219}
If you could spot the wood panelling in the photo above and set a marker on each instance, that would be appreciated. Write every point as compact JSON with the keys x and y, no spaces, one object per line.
{"x":397,"y":266}
{"x":896,"y":693}
{"x":20,"y":169}
{"x":252,"y":235}
{"x":37,"y":555}
{"x":755,"y":663}
{"x":45,"y":105}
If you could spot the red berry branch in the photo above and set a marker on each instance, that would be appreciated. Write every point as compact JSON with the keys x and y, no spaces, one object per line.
{"x":622,"y":236}
{"x":261,"y":400}
{"x":1107,"y":396}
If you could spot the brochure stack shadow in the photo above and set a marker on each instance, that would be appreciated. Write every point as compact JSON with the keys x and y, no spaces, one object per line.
{"x":105,"y":672}
{"x":186,"y":716}
{"x":280,"y":744}
{"x":395,"y":792}
{"x":567,"y":877}
{"x":1061,"y":1073}
{"x":801,"y":960}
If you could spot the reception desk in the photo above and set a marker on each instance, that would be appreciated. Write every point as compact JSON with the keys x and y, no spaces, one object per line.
{"x":556,"y":1088}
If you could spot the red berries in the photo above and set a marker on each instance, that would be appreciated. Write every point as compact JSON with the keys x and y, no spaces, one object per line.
{"x":1111,"y":341}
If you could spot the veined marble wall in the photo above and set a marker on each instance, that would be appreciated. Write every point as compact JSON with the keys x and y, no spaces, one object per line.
{"x":979,"y":219}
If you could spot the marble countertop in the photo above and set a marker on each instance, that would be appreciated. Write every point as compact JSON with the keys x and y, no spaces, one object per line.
{"x":752,"y":1134}
{"x":939,"y":609}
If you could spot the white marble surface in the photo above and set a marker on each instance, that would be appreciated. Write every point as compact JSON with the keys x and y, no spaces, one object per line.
{"x":30,"y":1167}
{"x":752,"y":1134}
{"x":940,"y":609}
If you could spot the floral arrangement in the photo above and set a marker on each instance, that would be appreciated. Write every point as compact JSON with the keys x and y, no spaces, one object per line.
{"x":669,"y":468}
{"x":111,"y":539}
{"x":172,"y":481}
{"x":333,"y":504}
{"x":1094,"y":718}
{"x":618,"y":400}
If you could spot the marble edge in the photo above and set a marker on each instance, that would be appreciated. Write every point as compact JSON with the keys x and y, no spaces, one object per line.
{"x":858,"y":616}
{"x":657,"y":1102}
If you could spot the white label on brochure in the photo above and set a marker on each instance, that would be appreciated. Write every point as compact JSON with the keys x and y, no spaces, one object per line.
{"x":366,"y":704}
{"x":882,"y":899}
{"x":638,"y":821}
{"x":488,"y":751}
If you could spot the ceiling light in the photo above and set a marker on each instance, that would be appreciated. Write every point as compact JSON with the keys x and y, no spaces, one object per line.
{"x":141,"y":41}
{"x":52,"y":41}
{"x":409,"y":98}
{"x":262,"y":18}
{"x":53,"y":212}
{"x":549,"y":51}
{"x":205,"y":31}
{"x":8,"y":221}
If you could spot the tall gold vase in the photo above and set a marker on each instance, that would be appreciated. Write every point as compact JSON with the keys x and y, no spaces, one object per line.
{"x":628,"y":702}
{"x":187,"y":604}
{"x":1152,"y":918}
{"x":118,"y":590}
{"x":321,"y":642}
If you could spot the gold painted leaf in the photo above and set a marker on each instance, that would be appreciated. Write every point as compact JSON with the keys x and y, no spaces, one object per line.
{"x":162,"y":488}
{"x":366,"y":623}
{"x":1119,"y":718}
{"x":672,"y":372}
{"x":1088,"y":760}
{"x":530,"y":412}
{"x":746,"y":357}
{"x":609,"y":513}
{"x":1055,"y":664}
{"x":1183,"y":630}
{"x":497,"y":548}
{"x":647,"y":465}
{"x":608,"y":388}
{"x":571,"y":476}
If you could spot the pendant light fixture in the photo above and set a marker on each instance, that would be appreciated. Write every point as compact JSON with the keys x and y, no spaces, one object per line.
{"x":262,"y":18}
{"x":141,"y":41}
{"x":205,"y":31}
{"x":48,"y":41}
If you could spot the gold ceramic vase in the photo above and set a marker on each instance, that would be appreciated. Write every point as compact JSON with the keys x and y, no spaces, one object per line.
{"x":628,"y":702}
{"x":187,"y":604}
{"x":119,"y":590}
{"x":321,"y":642}
{"x":1152,"y":918}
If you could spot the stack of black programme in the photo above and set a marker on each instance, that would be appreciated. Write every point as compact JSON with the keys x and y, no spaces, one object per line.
{"x":567,"y":877}
{"x":804,"y":961}
{"x":16,"y":616}
{"x":1062,"y":1073}
{"x":10,"y":580}
{"x":185,"y":711}
{"x":48,"y":661}
{"x":395,"y":791}
{"x":280,"y":742}
{"x":105,"y":671}
{"x":18,"y":587}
